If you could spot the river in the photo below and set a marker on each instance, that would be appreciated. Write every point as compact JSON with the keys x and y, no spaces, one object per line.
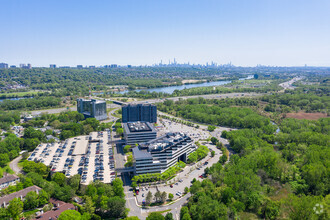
{"x":18,"y":98}
{"x":171,"y":89}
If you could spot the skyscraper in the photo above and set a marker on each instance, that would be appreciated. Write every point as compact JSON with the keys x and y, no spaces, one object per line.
{"x":3,"y":66}
{"x":139,"y":112}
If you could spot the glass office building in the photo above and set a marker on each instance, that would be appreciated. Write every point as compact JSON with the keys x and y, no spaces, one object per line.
{"x":92,"y":108}
{"x":139,"y":112}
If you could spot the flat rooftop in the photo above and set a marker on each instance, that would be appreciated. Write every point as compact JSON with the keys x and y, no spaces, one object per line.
{"x":139,"y":126}
{"x":165,"y":142}
{"x":93,"y":100}
{"x":143,"y":151}
{"x":80,"y":144}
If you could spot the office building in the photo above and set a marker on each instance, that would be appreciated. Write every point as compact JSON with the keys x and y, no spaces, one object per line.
{"x":53,"y":66}
{"x":12,"y":66}
{"x":23,"y":66}
{"x":157,"y":155}
{"x":137,"y":132}
{"x":3,"y":66}
{"x":139,"y":112}
{"x":80,"y":66}
{"x":92,"y":108}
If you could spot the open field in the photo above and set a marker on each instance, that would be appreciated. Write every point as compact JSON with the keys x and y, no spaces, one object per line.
{"x":309,"y":116}
{"x":21,"y":94}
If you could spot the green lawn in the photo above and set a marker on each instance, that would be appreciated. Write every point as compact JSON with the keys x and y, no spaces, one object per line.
{"x":31,"y":212}
{"x":20,"y":94}
{"x":5,"y":169}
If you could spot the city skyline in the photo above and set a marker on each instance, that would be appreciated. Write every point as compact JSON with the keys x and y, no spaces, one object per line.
{"x":270,"y":33}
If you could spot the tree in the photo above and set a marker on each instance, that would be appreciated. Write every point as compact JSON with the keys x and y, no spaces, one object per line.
{"x":163,"y":197}
{"x":70,"y":215}
{"x":102,"y":202}
{"x":211,"y":128}
{"x":169,"y":216}
{"x":74,"y":181}
{"x":4,"y":215}
{"x":127,"y":148}
{"x":219,"y":144}
{"x":116,"y":207}
{"x":186,"y":216}
{"x":15,"y":208}
{"x":223,"y":159}
{"x":91,"y":190}
{"x":170,"y":196}
{"x":214,"y":140}
{"x":148,"y":198}
{"x":300,"y":207}
{"x":134,"y":185}
{"x":43,"y":197}
{"x":31,"y":200}
{"x":87,"y":129}
{"x":155,"y":216}
{"x":25,"y":155}
{"x":118,"y":188}
{"x":27,"y":182}
{"x":212,"y":153}
{"x":271,"y":209}
{"x":4,"y":159}
{"x":59,"y":178}
{"x":186,"y":190}
{"x":158,"y":196}
{"x":92,"y":122}
{"x":119,"y":131}
{"x":132,"y":218}
{"x":183,"y":211}
{"x":89,"y":205}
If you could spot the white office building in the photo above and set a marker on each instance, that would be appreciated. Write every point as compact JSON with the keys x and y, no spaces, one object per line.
{"x":157,"y":155}
{"x":138,"y":132}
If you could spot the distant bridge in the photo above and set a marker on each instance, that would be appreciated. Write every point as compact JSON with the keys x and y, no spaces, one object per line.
{"x":118,"y":102}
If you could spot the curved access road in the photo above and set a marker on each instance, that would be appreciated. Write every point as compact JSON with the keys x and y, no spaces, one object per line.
{"x":14,"y":165}
{"x":142,"y":213}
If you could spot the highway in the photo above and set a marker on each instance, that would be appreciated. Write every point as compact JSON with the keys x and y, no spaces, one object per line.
{"x":288,"y":84}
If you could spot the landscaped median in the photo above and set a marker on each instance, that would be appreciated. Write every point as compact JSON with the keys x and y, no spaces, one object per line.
{"x":156,"y":177}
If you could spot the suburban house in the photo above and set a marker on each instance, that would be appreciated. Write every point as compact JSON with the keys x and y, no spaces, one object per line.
{"x":5,"y":200}
{"x":8,"y":180}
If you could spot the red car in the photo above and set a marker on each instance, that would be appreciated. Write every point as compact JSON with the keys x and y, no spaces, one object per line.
{"x":171,"y":185}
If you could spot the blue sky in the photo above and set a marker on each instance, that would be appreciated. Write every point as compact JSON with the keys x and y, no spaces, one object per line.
{"x":245,"y":32}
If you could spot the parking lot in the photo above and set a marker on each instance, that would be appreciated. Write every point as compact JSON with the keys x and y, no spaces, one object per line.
{"x":90,"y":156}
{"x":170,"y":126}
